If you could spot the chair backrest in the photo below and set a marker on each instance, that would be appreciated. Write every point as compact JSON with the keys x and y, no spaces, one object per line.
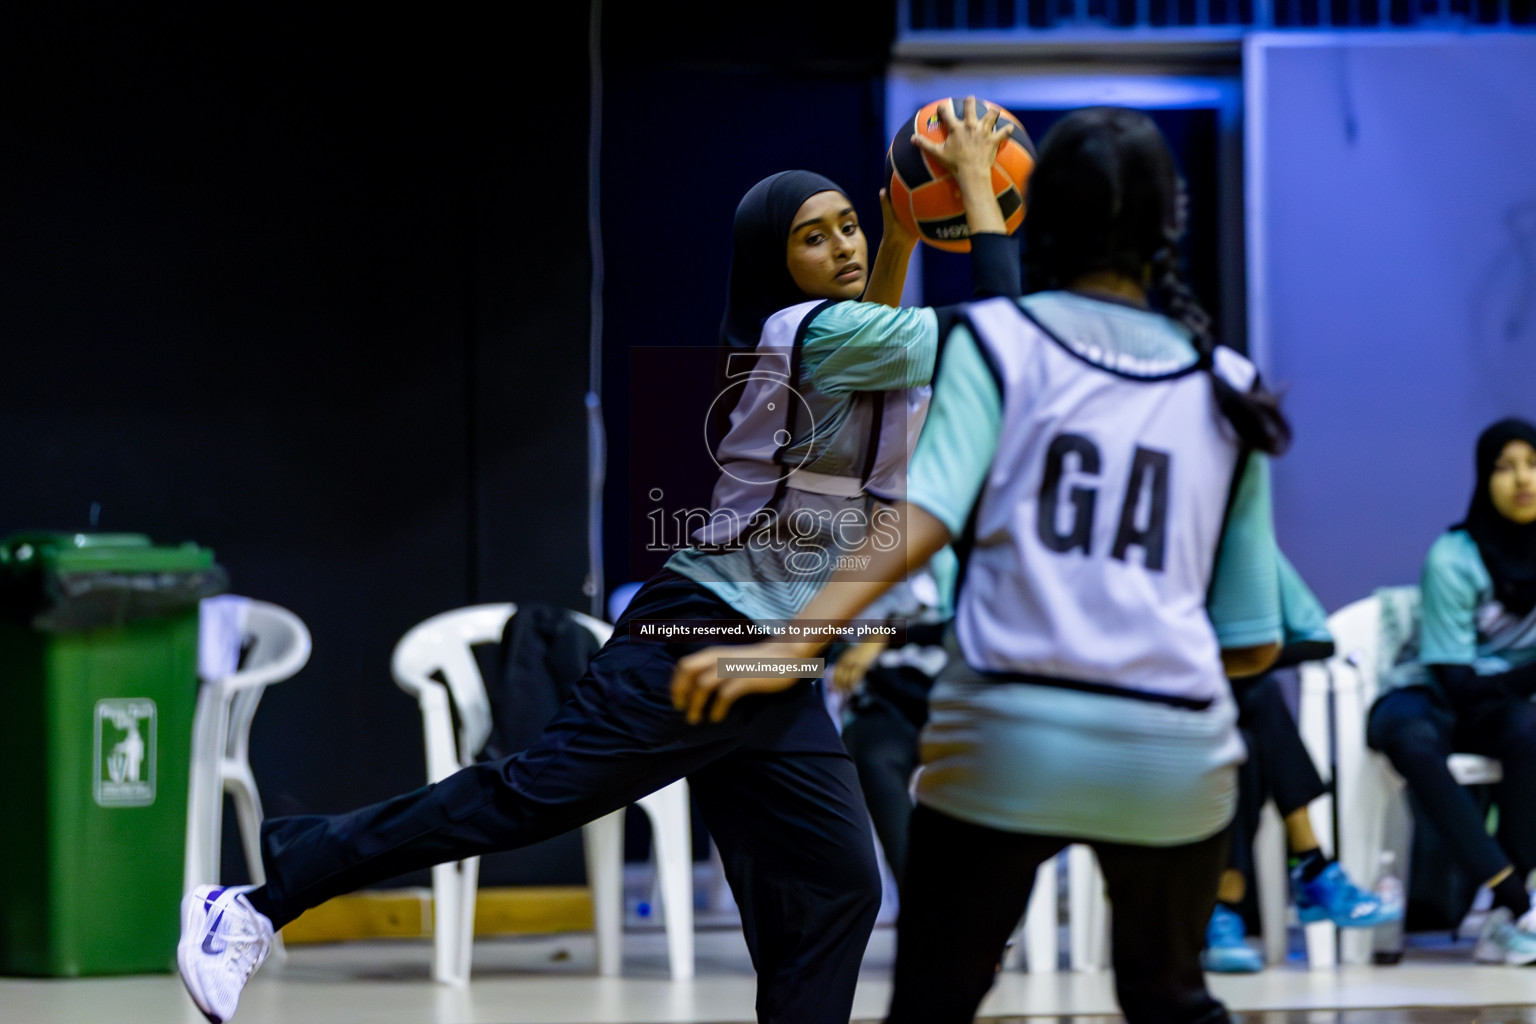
{"x":276,"y":642}
{"x":444,"y":644}
{"x":1369,"y":633}
{"x":1356,"y":630}
{"x":279,"y":643}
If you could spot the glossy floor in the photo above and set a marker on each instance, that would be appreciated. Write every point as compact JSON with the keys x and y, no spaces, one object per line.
{"x":549,"y":980}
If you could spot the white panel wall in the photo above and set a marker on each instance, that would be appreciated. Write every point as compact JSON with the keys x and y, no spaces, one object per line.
{"x":1391,"y":212}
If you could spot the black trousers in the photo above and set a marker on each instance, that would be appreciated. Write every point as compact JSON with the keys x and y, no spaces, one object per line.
{"x":774,"y":785}
{"x":1278,"y":766}
{"x":1418,"y":729}
{"x":967,"y":887}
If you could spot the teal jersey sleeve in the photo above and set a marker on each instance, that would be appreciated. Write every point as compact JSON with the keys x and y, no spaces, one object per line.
{"x":945,"y":569}
{"x":1301,"y":612}
{"x":865,"y":346}
{"x":1452,"y":584}
{"x":1245,"y":590}
{"x":954,"y":451}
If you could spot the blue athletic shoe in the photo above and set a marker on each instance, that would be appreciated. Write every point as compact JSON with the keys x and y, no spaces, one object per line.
{"x":1331,"y":896}
{"x":1505,"y":940}
{"x":1226,"y":945}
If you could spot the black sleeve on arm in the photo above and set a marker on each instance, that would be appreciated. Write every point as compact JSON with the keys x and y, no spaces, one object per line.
{"x":995,"y":265}
{"x":1303,"y":650}
{"x":1461,"y":685}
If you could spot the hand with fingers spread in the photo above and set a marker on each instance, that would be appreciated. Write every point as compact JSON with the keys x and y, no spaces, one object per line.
{"x":701,"y":694}
{"x":968,"y":152}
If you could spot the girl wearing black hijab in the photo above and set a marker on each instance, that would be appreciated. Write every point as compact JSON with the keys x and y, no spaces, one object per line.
{"x":1466,"y":686}
{"x":773,"y":782}
{"x":1085,"y":696}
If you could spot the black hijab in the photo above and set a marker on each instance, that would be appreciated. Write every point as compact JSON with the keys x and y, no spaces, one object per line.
{"x":760,"y":284}
{"x":1508,"y":548}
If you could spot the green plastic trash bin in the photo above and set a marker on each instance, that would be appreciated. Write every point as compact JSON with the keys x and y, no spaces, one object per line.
{"x":98,"y":664}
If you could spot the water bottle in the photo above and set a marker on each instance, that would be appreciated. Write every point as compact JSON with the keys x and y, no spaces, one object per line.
{"x":1389,"y":888}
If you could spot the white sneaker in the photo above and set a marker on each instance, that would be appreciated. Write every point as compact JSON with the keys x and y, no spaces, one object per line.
{"x":1504,"y":940}
{"x":223,"y":940}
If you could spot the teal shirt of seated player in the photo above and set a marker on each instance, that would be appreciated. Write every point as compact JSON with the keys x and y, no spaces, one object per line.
{"x":1173,"y":771}
{"x":1460,"y":622}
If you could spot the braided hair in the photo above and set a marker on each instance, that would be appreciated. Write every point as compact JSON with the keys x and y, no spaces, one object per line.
{"x":1105,"y":197}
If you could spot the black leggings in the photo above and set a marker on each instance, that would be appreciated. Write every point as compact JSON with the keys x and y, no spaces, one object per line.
{"x":966,"y":889}
{"x":1418,"y":729}
{"x":1279,"y":767}
{"x":775,"y":787}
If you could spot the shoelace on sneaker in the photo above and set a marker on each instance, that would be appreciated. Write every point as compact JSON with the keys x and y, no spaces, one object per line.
{"x":232,"y":934}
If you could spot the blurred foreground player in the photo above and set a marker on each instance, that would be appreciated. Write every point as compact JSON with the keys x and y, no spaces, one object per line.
{"x":1088,"y":450}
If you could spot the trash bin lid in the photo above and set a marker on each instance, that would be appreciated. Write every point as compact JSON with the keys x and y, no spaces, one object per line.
{"x":83,"y":552}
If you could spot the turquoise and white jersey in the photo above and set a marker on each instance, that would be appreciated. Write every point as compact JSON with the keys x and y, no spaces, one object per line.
{"x":826,"y":413}
{"x":1460,"y":622}
{"x":1088,"y":698}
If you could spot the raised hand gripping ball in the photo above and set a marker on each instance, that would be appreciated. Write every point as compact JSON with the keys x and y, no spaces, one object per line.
{"x":924,"y":195}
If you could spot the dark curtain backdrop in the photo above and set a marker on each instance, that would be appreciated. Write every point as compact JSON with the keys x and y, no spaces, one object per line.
{"x":310,"y":290}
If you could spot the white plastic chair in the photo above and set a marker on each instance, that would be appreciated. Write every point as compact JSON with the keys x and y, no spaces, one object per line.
{"x":277,"y":646}
{"x":1373,"y":816}
{"x":444,"y":644}
{"x":1271,"y":874}
{"x":1036,"y":939}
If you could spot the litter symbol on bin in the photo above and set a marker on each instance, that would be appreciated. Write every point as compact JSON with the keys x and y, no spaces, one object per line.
{"x":125,"y":752}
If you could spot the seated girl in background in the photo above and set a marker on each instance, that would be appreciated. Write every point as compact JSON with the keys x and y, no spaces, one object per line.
{"x":1468,"y":686}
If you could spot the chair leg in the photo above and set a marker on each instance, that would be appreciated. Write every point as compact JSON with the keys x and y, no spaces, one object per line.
{"x":205,"y":795}
{"x":242,"y":789}
{"x":1013,"y":956}
{"x":1087,"y":910}
{"x":1322,"y":941}
{"x":240,"y":784}
{"x":469,"y":889}
{"x":1322,"y":937}
{"x":1375,"y":798}
{"x":1272,"y":884}
{"x":603,"y":841}
{"x":1041,"y":946}
{"x":672,"y":839}
{"x":447,"y":923}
